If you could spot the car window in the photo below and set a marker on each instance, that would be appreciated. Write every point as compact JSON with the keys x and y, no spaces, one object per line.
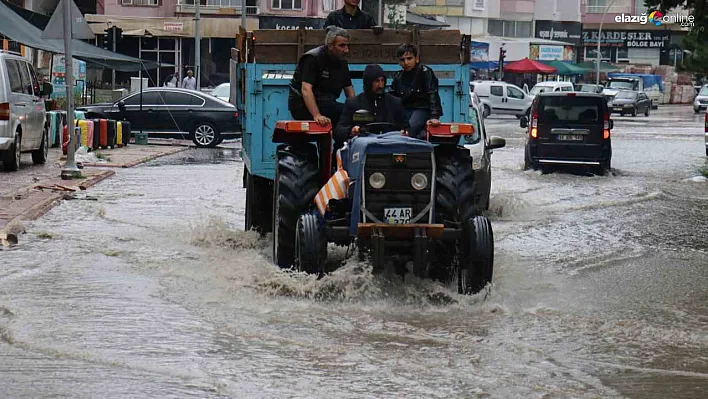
{"x":566,"y":88}
{"x":497,"y":91}
{"x":24,"y":75}
{"x":627,"y":95}
{"x":513,"y":92}
{"x":475,"y":121}
{"x":570,"y":109}
{"x":222,"y":91}
{"x":472,"y":88}
{"x":35,"y":81}
{"x":704,"y":91}
{"x":13,"y":75}
{"x":177,"y":98}
{"x":149,"y":98}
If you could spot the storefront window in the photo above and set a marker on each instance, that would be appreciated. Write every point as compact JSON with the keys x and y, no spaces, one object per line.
{"x":591,"y":53}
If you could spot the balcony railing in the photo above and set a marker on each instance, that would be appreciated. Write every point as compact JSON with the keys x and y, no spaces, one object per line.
{"x":184,"y":5}
{"x":593,"y":9}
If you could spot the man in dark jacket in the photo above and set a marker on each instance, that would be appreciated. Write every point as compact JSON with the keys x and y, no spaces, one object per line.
{"x":383,"y":106}
{"x":319,"y":78}
{"x":417,"y":86}
{"x":350,"y":17}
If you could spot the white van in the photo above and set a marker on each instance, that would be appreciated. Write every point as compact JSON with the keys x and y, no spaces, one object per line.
{"x":549,"y":87}
{"x":501,"y":98}
{"x":22,"y":115}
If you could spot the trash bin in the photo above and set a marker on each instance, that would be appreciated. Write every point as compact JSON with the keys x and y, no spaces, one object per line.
{"x":141,"y":138}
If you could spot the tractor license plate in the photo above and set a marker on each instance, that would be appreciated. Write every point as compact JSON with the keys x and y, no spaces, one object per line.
{"x":398,"y":215}
{"x":570,"y":137}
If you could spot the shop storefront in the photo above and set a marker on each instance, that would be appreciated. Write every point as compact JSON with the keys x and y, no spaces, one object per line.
{"x":636,"y":47}
{"x":568,"y":32}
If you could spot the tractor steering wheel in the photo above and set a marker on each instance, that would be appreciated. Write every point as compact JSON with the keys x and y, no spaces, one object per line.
{"x":378,"y":128}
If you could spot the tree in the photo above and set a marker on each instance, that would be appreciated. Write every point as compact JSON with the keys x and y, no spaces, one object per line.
{"x":697,"y":39}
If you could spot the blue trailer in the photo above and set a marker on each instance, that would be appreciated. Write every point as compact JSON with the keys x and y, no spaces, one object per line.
{"x":261,"y":70}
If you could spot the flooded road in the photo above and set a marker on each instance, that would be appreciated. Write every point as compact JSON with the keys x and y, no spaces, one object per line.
{"x":147,"y":286}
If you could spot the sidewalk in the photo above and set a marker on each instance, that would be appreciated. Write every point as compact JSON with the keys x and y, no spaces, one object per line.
{"x":29,"y":194}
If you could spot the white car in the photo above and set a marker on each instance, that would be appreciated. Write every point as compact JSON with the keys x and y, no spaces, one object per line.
{"x":23,"y":125}
{"x":549,"y":87}
{"x":701,"y":101}
{"x":222,"y":92}
{"x":501,"y":98}
{"x":481,"y":146}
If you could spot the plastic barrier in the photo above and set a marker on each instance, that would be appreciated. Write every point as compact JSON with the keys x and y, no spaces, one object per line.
{"x":83,"y":124}
{"x":126,"y":132}
{"x":96,"y":134}
{"x":65,"y":140}
{"x":111,"y":133}
{"x":54,"y":128}
{"x":89,"y":134}
{"x":119,"y":134}
{"x":80,"y":115}
{"x":103,"y":137}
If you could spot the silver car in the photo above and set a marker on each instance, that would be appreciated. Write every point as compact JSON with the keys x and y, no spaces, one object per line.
{"x":700,"y":103}
{"x":23,"y":125}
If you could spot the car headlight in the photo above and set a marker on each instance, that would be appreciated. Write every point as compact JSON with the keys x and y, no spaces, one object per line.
{"x":419,"y":181}
{"x":377,"y":180}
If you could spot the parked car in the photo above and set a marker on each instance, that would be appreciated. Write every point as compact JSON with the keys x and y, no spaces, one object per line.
{"x":481,"y":147}
{"x":630,"y":102}
{"x":705,"y":132}
{"x":173,"y":113}
{"x":549,"y":87}
{"x":700,"y":103}
{"x":568,"y":129}
{"x":501,"y":98}
{"x":23,"y":126}
{"x":589,"y":88}
{"x":474,"y":99}
{"x":222,"y":92}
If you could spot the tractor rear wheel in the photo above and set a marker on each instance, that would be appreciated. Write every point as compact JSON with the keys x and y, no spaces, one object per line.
{"x":310,"y":245}
{"x":476,"y":266}
{"x":296,"y":184}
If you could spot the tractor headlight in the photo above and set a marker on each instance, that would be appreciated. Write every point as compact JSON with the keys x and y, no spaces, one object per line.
{"x":419,"y":181}
{"x":377,"y":180}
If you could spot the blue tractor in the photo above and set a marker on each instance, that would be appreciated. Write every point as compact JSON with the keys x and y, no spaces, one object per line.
{"x":406,"y":204}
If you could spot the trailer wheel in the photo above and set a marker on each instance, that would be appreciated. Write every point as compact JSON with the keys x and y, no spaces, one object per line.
{"x":310,"y":245}
{"x":476,"y":265}
{"x":258,"y":203}
{"x":296,"y":184}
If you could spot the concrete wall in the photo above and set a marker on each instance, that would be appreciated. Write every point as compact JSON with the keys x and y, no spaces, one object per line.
{"x":116,"y":7}
{"x":558,"y":10}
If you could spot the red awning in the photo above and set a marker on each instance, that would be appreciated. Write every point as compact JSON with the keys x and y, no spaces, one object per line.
{"x":528,"y":66}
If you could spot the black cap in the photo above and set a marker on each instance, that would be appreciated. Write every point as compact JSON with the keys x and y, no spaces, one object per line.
{"x":371,"y":73}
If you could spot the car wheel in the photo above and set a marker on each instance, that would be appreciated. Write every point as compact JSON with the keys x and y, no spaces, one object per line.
{"x":11,"y":159}
{"x":621,"y":113}
{"x":634,"y":111}
{"x":696,"y":110}
{"x":486,"y":111}
{"x":39,"y":156}
{"x":205,"y":135}
{"x":647,"y":111}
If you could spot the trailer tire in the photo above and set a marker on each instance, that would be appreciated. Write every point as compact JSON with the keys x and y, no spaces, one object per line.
{"x":296,"y":184}
{"x":258,"y":203}
{"x":476,"y":266}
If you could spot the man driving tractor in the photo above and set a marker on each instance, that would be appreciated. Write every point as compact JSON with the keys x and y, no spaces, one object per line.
{"x":383,"y":107}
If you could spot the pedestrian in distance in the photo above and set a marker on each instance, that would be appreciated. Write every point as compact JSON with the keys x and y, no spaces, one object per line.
{"x":172,"y":80}
{"x":189,"y":81}
{"x":350,"y":17}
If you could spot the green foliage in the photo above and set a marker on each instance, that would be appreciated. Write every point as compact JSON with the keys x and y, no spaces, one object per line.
{"x":697,"y":39}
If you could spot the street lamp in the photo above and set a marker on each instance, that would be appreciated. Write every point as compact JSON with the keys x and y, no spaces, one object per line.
{"x":599,"y":38}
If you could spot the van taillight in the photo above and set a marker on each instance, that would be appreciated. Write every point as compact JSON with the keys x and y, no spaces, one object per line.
{"x":706,"y":124}
{"x":4,"y":111}
{"x":606,"y":126}
{"x":534,"y":122}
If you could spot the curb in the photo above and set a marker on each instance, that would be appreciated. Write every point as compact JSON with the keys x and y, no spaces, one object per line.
{"x":137,"y":162}
{"x":8,"y":235}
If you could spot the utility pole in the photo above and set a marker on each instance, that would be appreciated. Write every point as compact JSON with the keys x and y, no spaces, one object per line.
{"x":599,"y":39}
{"x":70,"y":171}
{"x":243,"y":13}
{"x":113,"y":71}
{"x":197,"y":43}
{"x":381,"y":11}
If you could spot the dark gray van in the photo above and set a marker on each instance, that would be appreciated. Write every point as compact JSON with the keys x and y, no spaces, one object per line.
{"x":568,"y":129}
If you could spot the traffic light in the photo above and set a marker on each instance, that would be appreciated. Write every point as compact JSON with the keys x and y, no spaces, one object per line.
{"x":118,"y":35}
{"x":107,"y":36}
{"x":502,"y":55}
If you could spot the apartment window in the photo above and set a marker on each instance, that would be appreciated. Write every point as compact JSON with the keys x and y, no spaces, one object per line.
{"x":329,"y":5}
{"x":287,"y":4}
{"x":497,"y":27}
{"x":478,"y":4}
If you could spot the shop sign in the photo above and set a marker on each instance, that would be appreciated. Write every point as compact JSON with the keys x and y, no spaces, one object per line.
{"x":569,"y":32}
{"x":636,"y":39}
{"x":542,"y":52}
{"x":173,"y":26}
{"x":288,"y":23}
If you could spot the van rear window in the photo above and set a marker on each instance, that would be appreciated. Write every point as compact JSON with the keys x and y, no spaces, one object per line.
{"x":570,"y":109}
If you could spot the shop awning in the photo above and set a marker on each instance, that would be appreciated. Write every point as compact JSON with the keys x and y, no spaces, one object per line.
{"x":20,"y":30}
{"x":153,"y":32}
{"x":566,"y":67}
{"x":604,"y":66}
{"x":528,"y":66}
{"x":484,"y":64}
